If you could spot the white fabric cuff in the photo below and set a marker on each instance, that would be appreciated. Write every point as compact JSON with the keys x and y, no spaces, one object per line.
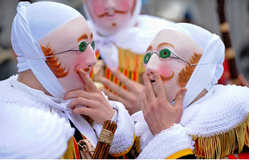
{"x":115,"y":117}
{"x":124,"y":135}
{"x":167,"y":142}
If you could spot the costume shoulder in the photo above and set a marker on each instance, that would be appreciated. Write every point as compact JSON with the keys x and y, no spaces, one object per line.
{"x":11,"y":95}
{"x":7,"y":93}
{"x":32,"y":133}
{"x":217,"y":120}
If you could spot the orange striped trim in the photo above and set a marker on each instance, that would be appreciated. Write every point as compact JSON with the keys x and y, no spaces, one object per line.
{"x":97,"y":54}
{"x":76,"y":149}
{"x":83,"y":136}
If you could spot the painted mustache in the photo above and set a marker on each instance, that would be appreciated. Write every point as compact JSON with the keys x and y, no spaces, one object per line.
{"x":167,"y":78}
{"x":85,"y":69}
{"x":115,"y":11}
{"x":164,"y":78}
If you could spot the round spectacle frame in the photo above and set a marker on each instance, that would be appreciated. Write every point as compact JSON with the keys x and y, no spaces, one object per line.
{"x":164,"y":53}
{"x":82,"y":47}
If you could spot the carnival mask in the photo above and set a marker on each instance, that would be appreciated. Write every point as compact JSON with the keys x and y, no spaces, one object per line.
{"x":110,"y":16}
{"x":174,"y":56}
{"x":69,"y":49}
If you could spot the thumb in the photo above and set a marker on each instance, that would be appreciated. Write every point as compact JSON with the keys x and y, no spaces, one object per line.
{"x":179,"y":97}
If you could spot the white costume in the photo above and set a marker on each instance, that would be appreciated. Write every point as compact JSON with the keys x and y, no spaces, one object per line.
{"x":16,"y":94}
{"x":27,"y":30}
{"x":212,"y":126}
{"x":31,"y":133}
{"x":222,"y":112}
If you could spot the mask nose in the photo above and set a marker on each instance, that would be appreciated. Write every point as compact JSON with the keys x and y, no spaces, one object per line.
{"x":152,"y":65}
{"x":89,"y":57}
{"x":92,"y":59}
{"x":110,"y":6}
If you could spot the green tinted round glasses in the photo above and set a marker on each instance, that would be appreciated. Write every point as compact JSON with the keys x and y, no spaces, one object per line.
{"x":164,"y":53}
{"x":82,"y":47}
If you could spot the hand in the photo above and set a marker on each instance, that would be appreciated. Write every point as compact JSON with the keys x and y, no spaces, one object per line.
{"x":131,"y":98}
{"x":96,"y":105}
{"x":158,"y":112}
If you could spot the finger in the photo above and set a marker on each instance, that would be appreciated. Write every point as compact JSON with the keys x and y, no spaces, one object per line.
{"x":179,"y":97}
{"x":80,"y":101}
{"x":89,"y":84}
{"x":111,"y":95}
{"x":77,"y":93}
{"x":145,"y":101}
{"x":83,"y":111}
{"x":122,"y":78}
{"x":114,"y":87}
{"x":159,"y":85}
{"x":115,"y":97}
{"x":148,"y":89}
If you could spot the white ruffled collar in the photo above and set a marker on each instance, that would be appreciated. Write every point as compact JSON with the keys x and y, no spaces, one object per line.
{"x":57,"y":104}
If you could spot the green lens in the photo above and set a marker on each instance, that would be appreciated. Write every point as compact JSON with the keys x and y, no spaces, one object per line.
{"x":164,"y":53}
{"x":147,"y":58}
{"x":93,"y":45}
{"x":83,"y":46}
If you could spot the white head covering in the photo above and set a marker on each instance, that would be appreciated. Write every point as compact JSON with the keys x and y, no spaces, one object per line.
{"x":31,"y":23}
{"x":32,"y":133}
{"x":210,"y":66}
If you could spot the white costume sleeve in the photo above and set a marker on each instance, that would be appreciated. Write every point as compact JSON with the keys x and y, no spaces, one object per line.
{"x":167,"y":143}
{"x":32,"y":133}
{"x":124,"y":135}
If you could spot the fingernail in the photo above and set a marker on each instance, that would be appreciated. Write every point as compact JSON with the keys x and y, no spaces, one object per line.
{"x":184,"y":91}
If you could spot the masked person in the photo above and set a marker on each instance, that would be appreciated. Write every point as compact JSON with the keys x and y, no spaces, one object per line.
{"x":187,"y":113}
{"x":121,"y":36}
{"x":55,"y":53}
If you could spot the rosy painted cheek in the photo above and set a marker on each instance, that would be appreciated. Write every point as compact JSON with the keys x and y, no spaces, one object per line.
{"x":165,"y":70}
{"x":123,"y":5}
{"x":98,"y":8}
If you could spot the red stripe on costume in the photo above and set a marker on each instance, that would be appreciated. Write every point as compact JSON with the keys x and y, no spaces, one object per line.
{"x":83,"y":136}
{"x":243,"y":155}
{"x":231,"y":156}
{"x":76,"y":149}
{"x":126,"y":74}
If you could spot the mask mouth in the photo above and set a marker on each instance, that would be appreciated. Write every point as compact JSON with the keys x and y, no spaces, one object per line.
{"x":112,"y":13}
{"x":77,"y":68}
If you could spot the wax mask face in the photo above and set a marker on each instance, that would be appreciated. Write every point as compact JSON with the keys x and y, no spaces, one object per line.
{"x":169,"y":53}
{"x":72,"y":48}
{"x":111,"y":16}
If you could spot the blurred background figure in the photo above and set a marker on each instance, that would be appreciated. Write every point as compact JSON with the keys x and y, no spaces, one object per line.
{"x":199,"y":12}
{"x":7,"y":58}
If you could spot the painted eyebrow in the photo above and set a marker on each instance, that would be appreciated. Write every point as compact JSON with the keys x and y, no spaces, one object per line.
{"x":149,"y":48}
{"x":91,"y":35}
{"x":165,"y":43}
{"x":84,"y":36}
